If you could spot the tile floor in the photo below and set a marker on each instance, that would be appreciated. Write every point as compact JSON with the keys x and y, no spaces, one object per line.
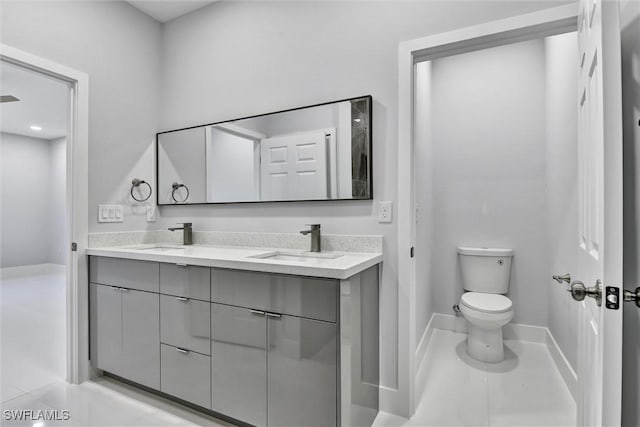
{"x":525,"y":390}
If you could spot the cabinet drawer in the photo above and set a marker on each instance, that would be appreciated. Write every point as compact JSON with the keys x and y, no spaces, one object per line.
{"x":310,"y":297}
{"x":127,"y":273}
{"x":185,"y":281}
{"x":186,"y":375}
{"x":185,"y":323}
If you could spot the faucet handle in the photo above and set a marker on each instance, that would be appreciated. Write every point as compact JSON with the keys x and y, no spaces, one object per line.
{"x":186,"y":224}
{"x":313,"y":226}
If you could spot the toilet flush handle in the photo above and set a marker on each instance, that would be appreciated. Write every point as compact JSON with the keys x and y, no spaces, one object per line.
{"x":562,"y":278}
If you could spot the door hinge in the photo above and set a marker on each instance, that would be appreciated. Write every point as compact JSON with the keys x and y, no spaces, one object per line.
{"x":74,"y":247}
{"x":411,"y":252}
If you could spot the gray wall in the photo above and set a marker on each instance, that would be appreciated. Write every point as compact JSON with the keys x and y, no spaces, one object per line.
{"x":32,"y":218}
{"x":488,"y":132}
{"x":630,"y":17}
{"x":562,"y":192}
{"x":119,"y":48}
{"x":234,"y":59}
{"x":58,"y":244}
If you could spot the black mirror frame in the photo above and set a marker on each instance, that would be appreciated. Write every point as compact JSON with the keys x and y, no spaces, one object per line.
{"x":369,"y":99}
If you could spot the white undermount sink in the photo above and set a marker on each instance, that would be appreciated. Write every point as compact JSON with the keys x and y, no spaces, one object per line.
{"x":310,"y":257}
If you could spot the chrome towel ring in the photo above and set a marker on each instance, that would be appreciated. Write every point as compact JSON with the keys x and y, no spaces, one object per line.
{"x":175,"y":187}
{"x":135,"y":184}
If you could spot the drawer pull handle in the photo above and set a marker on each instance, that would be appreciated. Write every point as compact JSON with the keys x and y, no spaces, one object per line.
{"x":182,"y":350}
{"x":183,"y":299}
{"x":257,"y":312}
{"x":274,"y":315}
{"x":181,"y":265}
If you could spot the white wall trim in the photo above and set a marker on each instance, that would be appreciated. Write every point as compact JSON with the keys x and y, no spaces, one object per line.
{"x":421,"y":358}
{"x":512,"y":331}
{"x":77,"y":203}
{"x":562,"y":363}
{"x":519,"y":28}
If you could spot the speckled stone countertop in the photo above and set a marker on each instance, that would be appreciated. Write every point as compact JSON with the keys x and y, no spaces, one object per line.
{"x":341,"y":258}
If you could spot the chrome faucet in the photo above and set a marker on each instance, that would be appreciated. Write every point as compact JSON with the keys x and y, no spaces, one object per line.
{"x":187,"y":232}
{"x":315,"y":236}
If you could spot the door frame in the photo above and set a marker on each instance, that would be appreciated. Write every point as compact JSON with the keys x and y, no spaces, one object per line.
{"x":76,"y":211}
{"x":529,"y":26}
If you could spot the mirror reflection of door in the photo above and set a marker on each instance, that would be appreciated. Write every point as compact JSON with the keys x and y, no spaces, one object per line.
{"x":321,"y":152}
{"x":294,"y":167}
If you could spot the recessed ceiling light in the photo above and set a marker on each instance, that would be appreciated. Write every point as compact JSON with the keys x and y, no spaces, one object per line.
{"x":36,"y":128}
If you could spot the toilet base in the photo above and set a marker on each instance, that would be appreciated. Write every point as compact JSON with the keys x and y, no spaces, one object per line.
{"x":485,"y":345}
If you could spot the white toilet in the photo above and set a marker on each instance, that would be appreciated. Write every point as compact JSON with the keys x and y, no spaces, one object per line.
{"x":485,"y":278}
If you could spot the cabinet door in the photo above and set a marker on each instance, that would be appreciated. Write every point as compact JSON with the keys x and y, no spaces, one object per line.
{"x":239,"y":364}
{"x":141,"y":337}
{"x":301,"y":372}
{"x":106,"y":328}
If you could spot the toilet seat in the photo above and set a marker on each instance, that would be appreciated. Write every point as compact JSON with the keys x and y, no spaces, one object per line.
{"x":486,"y":303}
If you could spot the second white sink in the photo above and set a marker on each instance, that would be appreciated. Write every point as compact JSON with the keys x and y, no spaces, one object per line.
{"x":310,"y":257}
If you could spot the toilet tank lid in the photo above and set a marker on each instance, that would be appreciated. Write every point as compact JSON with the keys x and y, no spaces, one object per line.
{"x":485,"y":251}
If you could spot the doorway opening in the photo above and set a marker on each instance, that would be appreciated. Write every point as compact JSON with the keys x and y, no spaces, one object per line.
{"x":33,"y":211}
{"x":496,"y":166}
{"x":44,"y":221}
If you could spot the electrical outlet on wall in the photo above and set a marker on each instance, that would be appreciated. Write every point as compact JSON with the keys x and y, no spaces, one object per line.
{"x":151,"y":213}
{"x":385,"y":210}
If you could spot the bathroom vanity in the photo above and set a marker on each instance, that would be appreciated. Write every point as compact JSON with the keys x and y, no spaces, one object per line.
{"x":263,"y":337}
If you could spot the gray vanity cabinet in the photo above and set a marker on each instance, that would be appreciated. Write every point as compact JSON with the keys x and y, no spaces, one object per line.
{"x":106,"y":322}
{"x":271,"y":364}
{"x":239,"y":363}
{"x":266,"y":349}
{"x":126,"y":333}
{"x":186,"y":375}
{"x":140,"y":337}
{"x":302,"y":372}
{"x":185,"y":323}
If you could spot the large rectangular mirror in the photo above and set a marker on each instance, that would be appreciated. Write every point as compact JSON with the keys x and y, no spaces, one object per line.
{"x":322,"y":152}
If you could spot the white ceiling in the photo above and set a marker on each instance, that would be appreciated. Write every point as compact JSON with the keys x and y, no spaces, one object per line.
{"x":43,"y":102}
{"x":167,"y":10}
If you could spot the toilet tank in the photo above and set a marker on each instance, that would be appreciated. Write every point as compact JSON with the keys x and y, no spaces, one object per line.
{"x":485,"y":269}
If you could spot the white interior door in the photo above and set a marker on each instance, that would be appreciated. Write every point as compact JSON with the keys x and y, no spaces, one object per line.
{"x":294,"y":167}
{"x":600,"y":207}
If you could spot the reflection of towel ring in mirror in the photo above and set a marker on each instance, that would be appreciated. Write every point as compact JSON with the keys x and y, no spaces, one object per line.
{"x":136,"y":183}
{"x":175,"y":186}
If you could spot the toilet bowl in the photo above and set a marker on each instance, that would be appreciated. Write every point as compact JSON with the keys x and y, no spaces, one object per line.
{"x":485,"y":279}
{"x":486,"y":314}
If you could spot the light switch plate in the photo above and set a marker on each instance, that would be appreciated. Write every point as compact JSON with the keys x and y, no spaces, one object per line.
{"x":110,"y":213}
{"x":151,"y":213}
{"x":385,"y":211}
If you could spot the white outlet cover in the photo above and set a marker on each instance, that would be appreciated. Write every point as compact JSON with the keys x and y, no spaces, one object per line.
{"x":151,"y":213}
{"x":110,"y":213}
{"x":385,"y":211}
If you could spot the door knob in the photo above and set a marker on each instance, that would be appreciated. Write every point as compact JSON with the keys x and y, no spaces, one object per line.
{"x":562,"y":278}
{"x":630,"y":296}
{"x":579,"y":291}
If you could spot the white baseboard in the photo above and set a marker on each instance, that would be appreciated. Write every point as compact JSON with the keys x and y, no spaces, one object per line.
{"x":421,"y":357}
{"x":31,"y":270}
{"x":512,"y":331}
{"x":388,"y":400}
{"x":566,"y":371}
